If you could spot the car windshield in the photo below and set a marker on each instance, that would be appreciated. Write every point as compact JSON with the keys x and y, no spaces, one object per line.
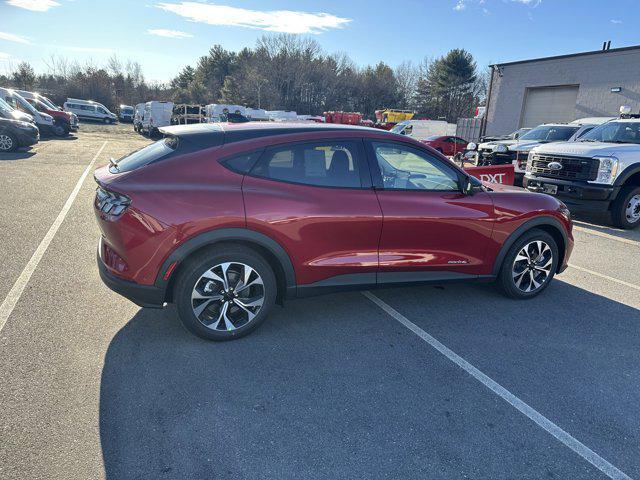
{"x":433,"y":137}
{"x":398,"y":128}
{"x":47,"y":102}
{"x":127,"y":110}
{"x":5,"y":109}
{"x":614,"y":132}
{"x":24,"y":105}
{"x":549,"y":133}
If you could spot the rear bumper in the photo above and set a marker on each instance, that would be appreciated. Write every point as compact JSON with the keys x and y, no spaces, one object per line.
{"x":578,"y":196}
{"x":148,"y":296}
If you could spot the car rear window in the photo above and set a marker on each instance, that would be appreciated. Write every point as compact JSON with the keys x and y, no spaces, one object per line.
{"x":145,"y":156}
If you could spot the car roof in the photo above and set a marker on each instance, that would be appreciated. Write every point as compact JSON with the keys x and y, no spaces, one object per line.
{"x":205,"y":135}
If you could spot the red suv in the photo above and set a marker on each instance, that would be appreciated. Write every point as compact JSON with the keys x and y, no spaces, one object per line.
{"x":225,"y":220}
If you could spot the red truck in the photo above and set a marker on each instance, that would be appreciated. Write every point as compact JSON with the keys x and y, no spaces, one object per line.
{"x":345,"y":118}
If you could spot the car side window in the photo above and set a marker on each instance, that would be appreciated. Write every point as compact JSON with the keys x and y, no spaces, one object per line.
{"x":406,"y":168}
{"x":241,"y":163}
{"x":323,"y":164}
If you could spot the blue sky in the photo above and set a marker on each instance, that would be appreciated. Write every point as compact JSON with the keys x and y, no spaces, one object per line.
{"x":166,"y":35}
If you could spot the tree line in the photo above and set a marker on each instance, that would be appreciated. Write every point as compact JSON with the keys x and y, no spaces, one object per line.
{"x":281,"y":72}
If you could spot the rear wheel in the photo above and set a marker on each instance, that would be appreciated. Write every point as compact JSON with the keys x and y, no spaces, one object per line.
{"x":625,"y":211}
{"x":225,"y":293}
{"x":8,"y":142}
{"x":529,"y":265}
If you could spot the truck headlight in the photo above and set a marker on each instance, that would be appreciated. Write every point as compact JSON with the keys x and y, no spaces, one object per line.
{"x":530,"y":158}
{"x":607,"y":169}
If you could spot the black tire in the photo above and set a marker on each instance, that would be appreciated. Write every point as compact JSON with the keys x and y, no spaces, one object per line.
{"x":60,"y":129}
{"x":191,"y":273}
{"x":506,"y":279}
{"x":8,"y":142}
{"x":620,"y":205}
{"x":439,"y":150}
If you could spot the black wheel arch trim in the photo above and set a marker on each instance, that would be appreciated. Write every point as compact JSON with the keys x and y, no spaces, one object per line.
{"x":230,"y":234}
{"x":521,"y":230}
{"x":626,"y":174}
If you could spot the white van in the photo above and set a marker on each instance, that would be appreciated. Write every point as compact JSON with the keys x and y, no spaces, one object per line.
{"x":138,"y":114}
{"x":217,"y":112}
{"x":43,"y":120}
{"x":156,"y":115}
{"x":89,"y":110}
{"x":422,"y":129}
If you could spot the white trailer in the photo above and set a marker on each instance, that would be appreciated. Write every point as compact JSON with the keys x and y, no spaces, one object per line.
{"x":217,"y":112}
{"x":422,"y":129}
{"x":282,"y":115}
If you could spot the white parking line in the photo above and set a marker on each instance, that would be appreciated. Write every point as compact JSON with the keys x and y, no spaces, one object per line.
{"x":14,"y":294}
{"x":606,"y":277}
{"x":608,"y":236}
{"x":542,"y":421}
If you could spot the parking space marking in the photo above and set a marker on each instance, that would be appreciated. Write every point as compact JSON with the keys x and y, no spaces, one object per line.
{"x":14,"y":294}
{"x":542,"y":421}
{"x":608,"y":236}
{"x":606,"y":277}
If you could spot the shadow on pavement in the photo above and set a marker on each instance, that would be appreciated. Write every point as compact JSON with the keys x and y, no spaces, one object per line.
{"x":329,"y":387}
{"x":603,"y":225}
{"x":17,"y":155}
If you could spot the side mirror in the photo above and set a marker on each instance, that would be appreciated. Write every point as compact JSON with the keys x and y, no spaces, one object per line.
{"x":472,"y":185}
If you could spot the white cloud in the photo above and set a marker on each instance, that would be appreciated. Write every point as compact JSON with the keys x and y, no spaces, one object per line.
{"x":286,"y":21}
{"x":462,"y":4}
{"x":616,"y":22}
{"x":10,"y":37}
{"x":73,"y":48}
{"x":161,"y":32}
{"x":34,"y":5}
{"x":4,"y":57}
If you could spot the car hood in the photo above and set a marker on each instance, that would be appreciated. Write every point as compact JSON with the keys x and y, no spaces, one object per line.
{"x":488,"y":145}
{"x":588,"y":149}
{"x":25,"y":117}
{"x":500,"y":187}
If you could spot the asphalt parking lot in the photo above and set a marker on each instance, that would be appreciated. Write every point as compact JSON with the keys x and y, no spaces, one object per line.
{"x":393,"y":384}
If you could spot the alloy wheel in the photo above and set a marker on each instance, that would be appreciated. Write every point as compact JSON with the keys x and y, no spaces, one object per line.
{"x":532,"y":266}
{"x":6,"y":142}
{"x":228,"y":296}
{"x":632,"y":211}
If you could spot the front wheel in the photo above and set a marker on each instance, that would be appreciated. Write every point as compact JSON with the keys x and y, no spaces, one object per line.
{"x":60,"y":129}
{"x":625,"y":211}
{"x":225,"y":293}
{"x":529,"y":265}
{"x":8,"y":142}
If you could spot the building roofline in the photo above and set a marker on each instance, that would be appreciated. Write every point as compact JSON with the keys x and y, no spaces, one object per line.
{"x":570,"y":55}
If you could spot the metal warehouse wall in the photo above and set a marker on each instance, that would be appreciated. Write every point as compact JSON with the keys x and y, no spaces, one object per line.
{"x":595,"y":74}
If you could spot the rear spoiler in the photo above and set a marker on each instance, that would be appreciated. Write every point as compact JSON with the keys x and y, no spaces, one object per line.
{"x":196,"y":136}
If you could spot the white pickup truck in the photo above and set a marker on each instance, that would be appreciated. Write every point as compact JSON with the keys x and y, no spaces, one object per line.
{"x":599,"y":172}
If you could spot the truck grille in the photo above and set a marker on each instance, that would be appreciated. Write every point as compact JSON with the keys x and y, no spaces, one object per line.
{"x":495,"y":158}
{"x":573,"y":168}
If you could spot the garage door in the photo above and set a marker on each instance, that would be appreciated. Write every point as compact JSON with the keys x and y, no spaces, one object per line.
{"x":549,"y":104}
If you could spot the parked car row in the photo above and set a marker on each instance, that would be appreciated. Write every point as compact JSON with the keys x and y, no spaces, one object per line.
{"x":26,"y":116}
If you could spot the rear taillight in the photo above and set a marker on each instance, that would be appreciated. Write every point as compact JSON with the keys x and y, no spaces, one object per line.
{"x":111,"y":203}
